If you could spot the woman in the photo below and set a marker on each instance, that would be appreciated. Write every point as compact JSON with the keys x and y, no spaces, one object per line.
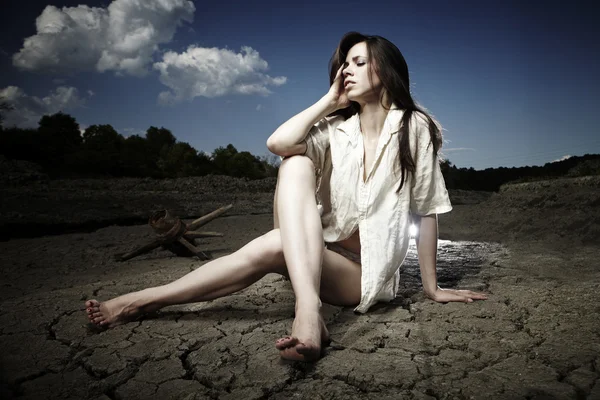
{"x":369,"y":153}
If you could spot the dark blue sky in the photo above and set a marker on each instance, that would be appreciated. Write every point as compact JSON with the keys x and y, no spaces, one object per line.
{"x":512,"y":84}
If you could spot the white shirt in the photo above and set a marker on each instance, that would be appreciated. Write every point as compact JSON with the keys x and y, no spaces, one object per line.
{"x":382,"y":216}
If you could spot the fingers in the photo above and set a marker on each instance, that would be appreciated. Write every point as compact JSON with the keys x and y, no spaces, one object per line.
{"x":339,"y":77}
{"x":464,"y":296}
{"x":471,"y":299}
{"x":337,"y":87}
{"x":472,"y":295}
{"x":338,"y":74}
{"x":476,"y":295}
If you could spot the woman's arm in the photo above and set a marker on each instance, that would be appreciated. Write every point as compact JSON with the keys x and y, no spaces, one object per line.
{"x":427,"y":241}
{"x":287,"y":140}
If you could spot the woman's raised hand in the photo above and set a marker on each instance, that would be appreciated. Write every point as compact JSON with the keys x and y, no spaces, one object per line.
{"x":337,"y":93}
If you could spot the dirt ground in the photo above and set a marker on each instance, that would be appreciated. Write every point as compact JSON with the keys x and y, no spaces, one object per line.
{"x":533,"y":247}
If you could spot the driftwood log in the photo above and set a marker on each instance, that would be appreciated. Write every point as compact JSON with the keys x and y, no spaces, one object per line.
{"x":175,"y":235}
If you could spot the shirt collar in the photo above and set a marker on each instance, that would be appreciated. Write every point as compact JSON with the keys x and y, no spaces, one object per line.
{"x":391,"y":125}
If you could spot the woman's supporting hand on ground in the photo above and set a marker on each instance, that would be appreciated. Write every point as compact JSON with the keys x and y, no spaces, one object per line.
{"x":448,"y":295}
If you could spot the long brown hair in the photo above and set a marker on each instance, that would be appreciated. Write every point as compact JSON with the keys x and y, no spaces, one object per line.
{"x":388,"y":63}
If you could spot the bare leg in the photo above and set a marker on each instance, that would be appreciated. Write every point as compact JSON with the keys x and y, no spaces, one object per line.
{"x":302,"y":242}
{"x":295,"y":207}
{"x":215,"y":279}
{"x":227,"y":275}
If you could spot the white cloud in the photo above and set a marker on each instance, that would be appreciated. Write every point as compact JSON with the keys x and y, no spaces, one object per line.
{"x":563,"y":158}
{"x":121,"y":37}
{"x":29,"y":109}
{"x":90,"y":93}
{"x":212,"y":72}
{"x":259,"y":107}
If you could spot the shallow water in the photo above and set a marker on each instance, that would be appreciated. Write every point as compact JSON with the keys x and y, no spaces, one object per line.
{"x":456,"y":261}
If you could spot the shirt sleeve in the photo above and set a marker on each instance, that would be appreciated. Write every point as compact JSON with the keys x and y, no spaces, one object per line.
{"x":317,"y":139}
{"x":428,"y":190}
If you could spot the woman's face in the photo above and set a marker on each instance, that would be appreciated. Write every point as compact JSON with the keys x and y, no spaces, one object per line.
{"x":356,"y":76}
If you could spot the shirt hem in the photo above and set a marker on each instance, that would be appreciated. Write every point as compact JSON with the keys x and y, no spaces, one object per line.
{"x":435,"y":210}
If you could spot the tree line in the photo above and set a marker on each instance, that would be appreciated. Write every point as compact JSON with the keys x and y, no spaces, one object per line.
{"x":63,"y":151}
{"x":490,"y":179}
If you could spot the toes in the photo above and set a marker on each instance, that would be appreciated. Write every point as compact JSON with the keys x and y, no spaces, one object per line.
{"x":92,"y":306}
{"x":280,"y":344}
{"x":291,"y":354}
{"x":92,"y":310}
{"x":96,"y":315}
{"x":98,"y":320}
{"x":92,"y":303}
{"x":286,"y":342}
{"x":301,"y":352}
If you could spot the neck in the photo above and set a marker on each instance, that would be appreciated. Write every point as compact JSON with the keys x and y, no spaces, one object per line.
{"x":372,"y":117}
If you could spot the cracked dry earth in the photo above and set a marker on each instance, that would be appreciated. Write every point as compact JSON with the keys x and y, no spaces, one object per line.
{"x":537,"y":337}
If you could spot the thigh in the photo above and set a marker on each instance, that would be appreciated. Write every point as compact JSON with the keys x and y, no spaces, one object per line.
{"x":340,"y":280}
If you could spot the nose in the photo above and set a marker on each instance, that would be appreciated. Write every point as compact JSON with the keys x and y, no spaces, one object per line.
{"x":346,"y":71}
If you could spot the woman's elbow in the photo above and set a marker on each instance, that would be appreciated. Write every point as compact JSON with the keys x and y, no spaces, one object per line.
{"x":273,"y":146}
{"x":285,"y":149}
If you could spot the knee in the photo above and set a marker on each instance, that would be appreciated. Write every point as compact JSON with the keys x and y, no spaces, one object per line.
{"x":297,"y":166}
{"x":270,"y":256}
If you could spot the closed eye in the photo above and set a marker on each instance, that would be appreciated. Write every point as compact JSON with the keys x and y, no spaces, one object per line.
{"x":358,"y":63}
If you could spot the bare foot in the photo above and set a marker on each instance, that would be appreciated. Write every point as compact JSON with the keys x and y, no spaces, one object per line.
{"x":309,"y":334}
{"x":113,"y":312}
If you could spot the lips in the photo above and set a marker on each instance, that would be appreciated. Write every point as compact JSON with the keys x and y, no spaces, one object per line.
{"x":348,"y":83}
